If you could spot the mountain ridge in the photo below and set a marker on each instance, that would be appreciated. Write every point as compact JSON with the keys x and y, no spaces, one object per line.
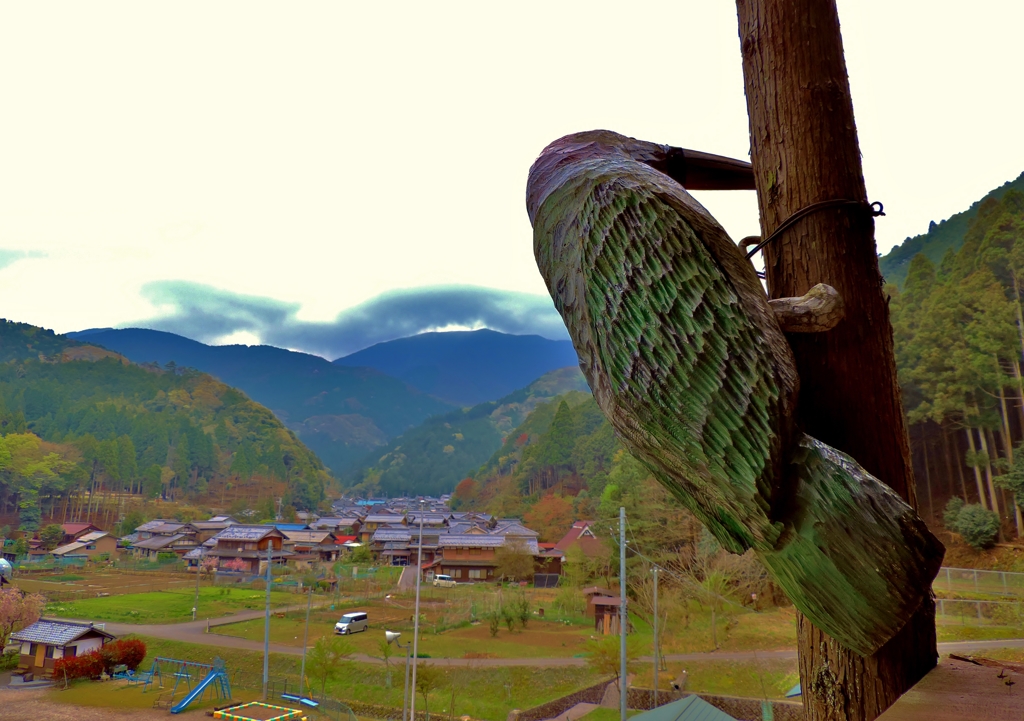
{"x":465,"y":368}
{"x":940,"y":238}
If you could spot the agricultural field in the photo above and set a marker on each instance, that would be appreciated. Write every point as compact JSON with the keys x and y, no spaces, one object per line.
{"x":170,"y":606}
{"x":75,"y":583}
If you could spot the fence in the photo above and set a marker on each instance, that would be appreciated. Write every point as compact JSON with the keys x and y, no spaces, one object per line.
{"x":998,"y":583}
{"x":980,"y":613}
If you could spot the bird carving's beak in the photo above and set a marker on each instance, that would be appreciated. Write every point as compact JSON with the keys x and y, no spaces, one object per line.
{"x":695,"y":170}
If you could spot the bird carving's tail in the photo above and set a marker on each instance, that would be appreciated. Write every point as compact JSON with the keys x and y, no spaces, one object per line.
{"x":853,"y":557}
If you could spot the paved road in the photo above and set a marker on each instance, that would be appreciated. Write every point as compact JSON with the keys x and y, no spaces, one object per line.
{"x":196,"y":632}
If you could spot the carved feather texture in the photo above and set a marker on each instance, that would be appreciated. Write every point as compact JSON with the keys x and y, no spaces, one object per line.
{"x":685,"y":358}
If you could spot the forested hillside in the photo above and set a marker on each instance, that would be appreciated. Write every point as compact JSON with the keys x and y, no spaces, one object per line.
{"x":81,"y":425}
{"x":959,"y":332}
{"x":434,"y":456}
{"x":340,"y":412}
{"x":940,"y":238}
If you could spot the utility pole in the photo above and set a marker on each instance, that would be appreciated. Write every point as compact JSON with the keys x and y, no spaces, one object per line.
{"x":657,"y":661}
{"x":266,"y":626}
{"x":305,"y":639}
{"x":416,"y":620}
{"x":804,"y":150}
{"x":623,"y":614}
{"x":195,"y":603}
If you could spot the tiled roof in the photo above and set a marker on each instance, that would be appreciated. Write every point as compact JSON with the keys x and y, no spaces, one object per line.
{"x":469,"y":540}
{"x":245,"y":533}
{"x":168,"y":528}
{"x":197,"y":552}
{"x":148,"y":526}
{"x":306,"y":536}
{"x":55,"y":633}
{"x":211,"y":525}
{"x":514,"y":529}
{"x":392,"y":534}
{"x":130,"y":538}
{"x":384,"y":518}
{"x":157,"y":542}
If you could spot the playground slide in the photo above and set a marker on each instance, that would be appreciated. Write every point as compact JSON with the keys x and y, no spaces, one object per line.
{"x":215,"y":675}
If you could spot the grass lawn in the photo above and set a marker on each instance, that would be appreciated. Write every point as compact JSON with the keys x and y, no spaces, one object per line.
{"x":118,"y":694}
{"x":168,"y":606}
{"x":956,"y":632}
{"x":770,"y":678}
{"x":487,"y":693}
{"x":608,"y":714}
{"x":540,"y":639}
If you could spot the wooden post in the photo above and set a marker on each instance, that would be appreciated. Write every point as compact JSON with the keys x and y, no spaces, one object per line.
{"x":804,"y":149}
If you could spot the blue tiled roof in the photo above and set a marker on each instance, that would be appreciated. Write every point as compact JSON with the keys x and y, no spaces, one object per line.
{"x":54,"y":633}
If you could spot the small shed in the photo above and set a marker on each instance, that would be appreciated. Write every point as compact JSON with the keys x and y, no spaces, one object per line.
{"x":605,"y":610}
{"x":48,"y":639}
{"x":688,"y":708}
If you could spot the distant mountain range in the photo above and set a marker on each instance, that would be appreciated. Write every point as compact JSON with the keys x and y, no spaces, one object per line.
{"x":344,"y":409}
{"x":466,"y":367}
{"x":434,"y":456}
{"x":338,"y":411}
{"x":939,"y":238}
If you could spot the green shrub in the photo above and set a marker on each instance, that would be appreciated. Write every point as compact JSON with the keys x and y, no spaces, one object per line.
{"x":952,"y":512}
{"x":978,"y":526}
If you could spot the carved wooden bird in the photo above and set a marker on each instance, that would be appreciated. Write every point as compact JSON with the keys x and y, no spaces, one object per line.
{"x":687,"y":359}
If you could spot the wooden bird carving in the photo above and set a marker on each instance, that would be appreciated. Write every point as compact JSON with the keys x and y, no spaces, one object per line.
{"x":687,"y":359}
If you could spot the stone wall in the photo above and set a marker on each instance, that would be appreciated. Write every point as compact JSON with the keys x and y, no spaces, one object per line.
{"x":741,"y":709}
{"x":553,"y":709}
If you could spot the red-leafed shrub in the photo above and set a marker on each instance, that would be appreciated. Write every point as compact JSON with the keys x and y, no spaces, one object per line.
{"x":127,"y":651}
{"x":88,"y":665}
{"x":132,"y":652}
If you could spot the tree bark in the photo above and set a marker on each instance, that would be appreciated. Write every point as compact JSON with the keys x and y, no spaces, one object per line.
{"x":804,"y":150}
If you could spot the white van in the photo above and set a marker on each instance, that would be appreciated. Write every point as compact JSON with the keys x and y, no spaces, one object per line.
{"x":444,"y":581}
{"x":352,"y":623}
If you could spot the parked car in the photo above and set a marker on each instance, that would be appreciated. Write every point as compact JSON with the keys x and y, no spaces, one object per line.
{"x":444,"y":581}
{"x":352,"y":623}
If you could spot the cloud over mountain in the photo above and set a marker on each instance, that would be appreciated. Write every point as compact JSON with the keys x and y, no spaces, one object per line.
{"x":206,"y":314}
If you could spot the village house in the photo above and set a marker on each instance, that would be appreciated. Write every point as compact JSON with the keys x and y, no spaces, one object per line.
{"x":46,"y":640}
{"x":374,"y":521}
{"x":74,"y":531}
{"x":473,"y":557}
{"x":87,"y":546}
{"x":311,"y":546}
{"x":247,"y":546}
{"x":165,"y":537}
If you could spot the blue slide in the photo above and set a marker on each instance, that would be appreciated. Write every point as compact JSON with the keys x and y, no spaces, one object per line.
{"x":217,"y":677}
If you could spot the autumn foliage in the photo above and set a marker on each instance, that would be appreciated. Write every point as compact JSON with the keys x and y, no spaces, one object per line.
{"x":88,"y":665}
{"x":128,"y":652}
{"x":466,"y":490}
{"x":18,"y":610}
{"x":551,"y":517}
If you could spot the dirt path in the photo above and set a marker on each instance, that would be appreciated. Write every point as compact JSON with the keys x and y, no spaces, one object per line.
{"x":36,"y":705}
{"x":196,"y":632}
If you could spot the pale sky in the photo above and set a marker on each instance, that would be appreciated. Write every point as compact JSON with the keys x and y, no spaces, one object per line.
{"x":312,"y":156}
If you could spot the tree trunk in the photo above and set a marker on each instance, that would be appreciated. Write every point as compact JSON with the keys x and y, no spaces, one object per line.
{"x":927,"y":473}
{"x":994,"y":498}
{"x":977,"y":469}
{"x":804,"y":149}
